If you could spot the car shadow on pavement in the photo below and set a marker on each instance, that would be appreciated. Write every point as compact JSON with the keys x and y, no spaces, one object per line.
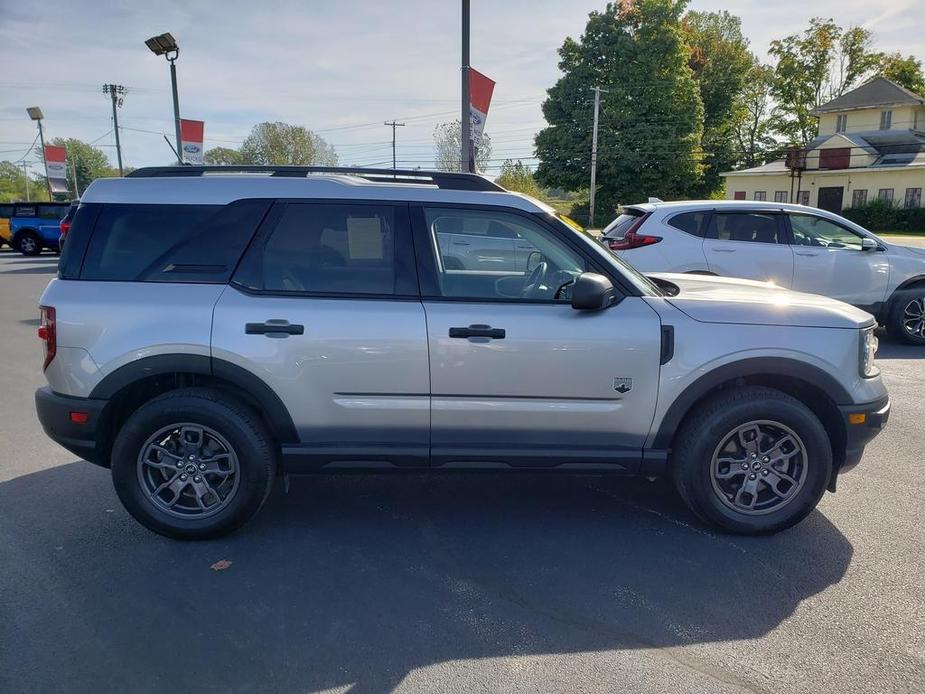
{"x":355,"y":581}
{"x":891,"y":348}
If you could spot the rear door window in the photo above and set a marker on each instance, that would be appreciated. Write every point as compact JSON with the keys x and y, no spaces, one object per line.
{"x":753,"y":227}
{"x":52,"y":211}
{"x":170,"y":243}
{"x":24,"y":211}
{"x":350,"y":249}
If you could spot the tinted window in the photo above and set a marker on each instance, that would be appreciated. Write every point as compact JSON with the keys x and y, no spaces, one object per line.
{"x":744,"y":226}
{"x":52,"y":211}
{"x":169,"y":243}
{"x":618,"y":227}
{"x":534,"y":265}
{"x":6,"y":211}
{"x":24,"y":211}
{"x":329,"y":249}
{"x":809,"y":230}
{"x":691,"y":222}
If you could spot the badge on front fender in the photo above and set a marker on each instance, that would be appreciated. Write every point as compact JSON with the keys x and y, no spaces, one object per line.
{"x":622,"y":385}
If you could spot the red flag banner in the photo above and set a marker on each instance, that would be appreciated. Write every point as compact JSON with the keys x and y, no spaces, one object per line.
{"x":480,"y":91}
{"x":56,"y":165}
{"x":191,"y":138}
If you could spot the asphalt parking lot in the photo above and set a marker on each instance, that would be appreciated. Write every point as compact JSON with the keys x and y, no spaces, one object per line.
{"x":453,"y":583}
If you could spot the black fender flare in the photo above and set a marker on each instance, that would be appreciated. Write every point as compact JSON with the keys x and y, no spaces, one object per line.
{"x":271,"y":407}
{"x":755,"y":366}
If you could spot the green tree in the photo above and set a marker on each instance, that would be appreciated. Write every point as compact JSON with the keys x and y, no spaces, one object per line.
{"x":906,"y":72}
{"x":222,"y":156}
{"x":517,"y":176}
{"x":721,"y":61}
{"x":448,"y":149}
{"x":282,"y":144}
{"x":13,"y":184}
{"x":651,"y":119}
{"x":816,"y":66}
{"x":89,"y":162}
{"x":754,"y":122}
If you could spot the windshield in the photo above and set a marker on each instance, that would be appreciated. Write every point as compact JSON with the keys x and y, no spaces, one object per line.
{"x":632,"y":275}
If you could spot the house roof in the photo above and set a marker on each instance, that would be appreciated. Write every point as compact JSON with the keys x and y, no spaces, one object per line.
{"x":877,"y":92}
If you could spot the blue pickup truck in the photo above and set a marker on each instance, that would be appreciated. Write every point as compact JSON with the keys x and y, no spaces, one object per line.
{"x":35,"y":225}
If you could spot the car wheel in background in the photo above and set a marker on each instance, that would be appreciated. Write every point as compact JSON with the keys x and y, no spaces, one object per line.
{"x":752,"y":460}
{"x":28,"y":243}
{"x":193,"y":464}
{"x":906,"y":319}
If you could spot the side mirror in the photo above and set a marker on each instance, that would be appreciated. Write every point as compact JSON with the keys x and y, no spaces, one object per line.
{"x":868,"y":244}
{"x":592,"y":292}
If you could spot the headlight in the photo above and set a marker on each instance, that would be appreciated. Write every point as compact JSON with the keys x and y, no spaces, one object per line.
{"x":869,"y":344}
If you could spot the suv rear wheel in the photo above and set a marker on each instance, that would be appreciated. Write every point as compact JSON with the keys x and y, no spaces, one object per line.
{"x":752,"y":460}
{"x":193,"y":464}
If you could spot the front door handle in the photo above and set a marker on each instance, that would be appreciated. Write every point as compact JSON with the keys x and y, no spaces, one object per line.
{"x":479,"y":331}
{"x":809,"y":254}
{"x":724,"y":250}
{"x":275,"y":327}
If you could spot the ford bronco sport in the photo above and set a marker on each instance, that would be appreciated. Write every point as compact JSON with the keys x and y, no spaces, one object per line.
{"x":214,"y":328}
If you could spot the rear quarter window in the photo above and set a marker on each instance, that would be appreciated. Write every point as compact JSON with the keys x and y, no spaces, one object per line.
{"x":168,"y":243}
{"x":6,"y":211}
{"x":693,"y":223}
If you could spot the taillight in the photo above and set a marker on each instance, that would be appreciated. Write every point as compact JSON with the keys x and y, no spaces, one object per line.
{"x":632,"y":239}
{"x":48,"y":333}
{"x":64,"y":227}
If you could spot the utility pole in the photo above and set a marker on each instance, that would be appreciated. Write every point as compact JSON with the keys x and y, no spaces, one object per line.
{"x":25,"y":173}
{"x":465,"y":159}
{"x":116,"y":92}
{"x":74,"y":175}
{"x":597,"y":107}
{"x":394,"y":125}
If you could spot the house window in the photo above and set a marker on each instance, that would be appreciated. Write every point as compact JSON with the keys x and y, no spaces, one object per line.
{"x":885,"y":194}
{"x":835,"y":158}
{"x":738,"y":195}
{"x":913,"y":197}
{"x":886,"y":120}
{"x":841,"y":123}
{"x":761,"y":195}
{"x":859,"y":197}
{"x":803,"y":198}
{"x":781,"y":196}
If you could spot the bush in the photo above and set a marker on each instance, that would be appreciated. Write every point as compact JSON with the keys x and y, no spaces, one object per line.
{"x":883,"y":215}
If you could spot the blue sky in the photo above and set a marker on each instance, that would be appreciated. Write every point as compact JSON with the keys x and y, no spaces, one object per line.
{"x":339,"y":67}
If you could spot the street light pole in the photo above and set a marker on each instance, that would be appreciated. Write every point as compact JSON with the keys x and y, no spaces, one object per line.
{"x":35,"y":113}
{"x":597,"y":107}
{"x":166,"y":45}
{"x":25,"y":173}
{"x":464,"y":121}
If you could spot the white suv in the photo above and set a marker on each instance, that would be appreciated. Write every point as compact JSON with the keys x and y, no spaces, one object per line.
{"x":213,"y":328}
{"x":796,"y":247}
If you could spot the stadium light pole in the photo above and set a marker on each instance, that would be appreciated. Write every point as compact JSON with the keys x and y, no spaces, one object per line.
{"x":166,"y":45}
{"x":465,"y":158}
{"x":35,"y":113}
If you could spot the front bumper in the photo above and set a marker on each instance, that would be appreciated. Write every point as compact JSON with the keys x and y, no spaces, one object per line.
{"x":862,"y":423}
{"x":80,"y":438}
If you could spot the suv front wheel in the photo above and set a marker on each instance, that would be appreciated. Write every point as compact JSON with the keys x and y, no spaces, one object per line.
{"x":193,"y":464}
{"x":752,"y":460}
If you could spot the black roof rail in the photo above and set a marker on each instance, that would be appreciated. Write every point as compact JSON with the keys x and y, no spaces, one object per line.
{"x":441,"y":179}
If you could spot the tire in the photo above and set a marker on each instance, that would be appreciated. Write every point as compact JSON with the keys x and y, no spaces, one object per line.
{"x":901,"y":322}
{"x":29,"y":243}
{"x":759,"y":413}
{"x":172,"y":420}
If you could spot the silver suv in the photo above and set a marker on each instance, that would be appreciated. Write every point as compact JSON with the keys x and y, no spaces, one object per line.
{"x":211,"y":329}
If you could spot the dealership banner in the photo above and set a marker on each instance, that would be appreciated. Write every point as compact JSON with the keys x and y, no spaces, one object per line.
{"x":480,"y":90}
{"x":191,"y":136}
{"x":56,"y":164}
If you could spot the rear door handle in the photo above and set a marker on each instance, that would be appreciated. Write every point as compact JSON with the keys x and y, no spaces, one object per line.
{"x":806,"y":253}
{"x":274,"y":327}
{"x":724,"y":250}
{"x":479,"y":331}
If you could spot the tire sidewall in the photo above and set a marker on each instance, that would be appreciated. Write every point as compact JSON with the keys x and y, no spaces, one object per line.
{"x":255,"y":469}
{"x":786,"y":411}
{"x":35,"y":238}
{"x":897,"y":310}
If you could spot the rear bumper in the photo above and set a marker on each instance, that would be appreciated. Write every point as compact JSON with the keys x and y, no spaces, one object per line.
{"x":862,"y":423}
{"x":54,"y":413}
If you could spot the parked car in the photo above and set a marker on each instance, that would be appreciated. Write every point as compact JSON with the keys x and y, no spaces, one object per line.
{"x":65,"y":225}
{"x":208,"y":333}
{"x":36,"y":225}
{"x":796,"y":247}
{"x":6,"y":212}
